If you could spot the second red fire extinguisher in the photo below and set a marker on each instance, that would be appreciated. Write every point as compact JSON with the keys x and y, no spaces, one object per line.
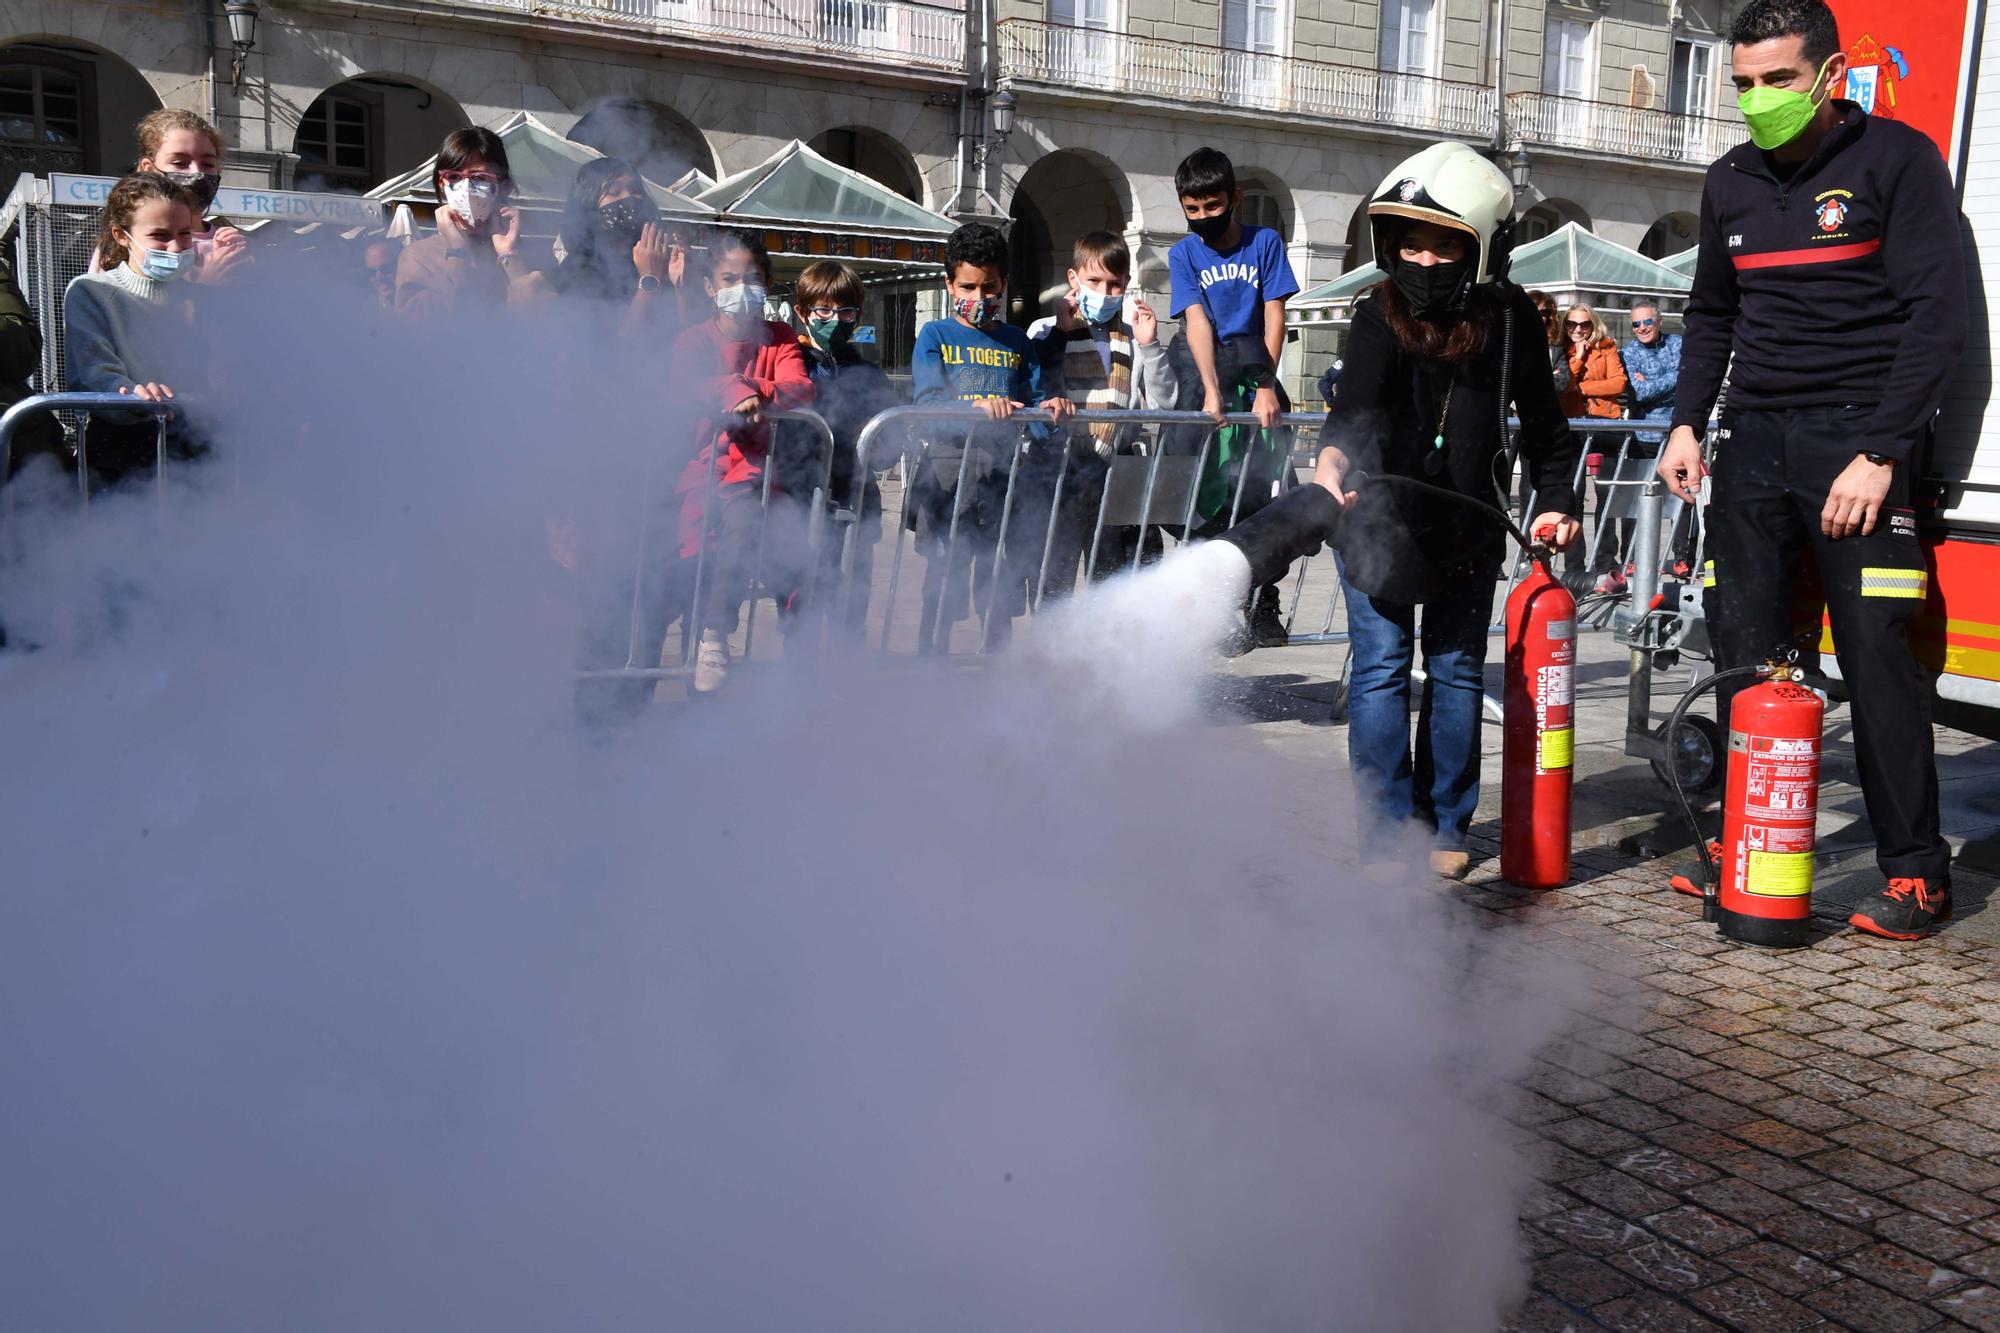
{"x":1768,"y":811}
{"x":1539,"y":751}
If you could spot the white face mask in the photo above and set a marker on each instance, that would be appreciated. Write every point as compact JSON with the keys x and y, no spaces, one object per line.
{"x":473,"y":201}
{"x":745,"y":298}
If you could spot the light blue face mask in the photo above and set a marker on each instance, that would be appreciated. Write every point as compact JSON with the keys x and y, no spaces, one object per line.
{"x":163,"y":265}
{"x":1097,"y":307}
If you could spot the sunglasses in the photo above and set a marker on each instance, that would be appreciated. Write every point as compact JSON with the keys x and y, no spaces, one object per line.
{"x":381,"y":271}
{"x":1578,"y":323}
{"x":1644,"y":323}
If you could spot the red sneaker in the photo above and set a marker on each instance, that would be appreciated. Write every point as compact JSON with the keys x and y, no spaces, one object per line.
{"x":1906,"y":910}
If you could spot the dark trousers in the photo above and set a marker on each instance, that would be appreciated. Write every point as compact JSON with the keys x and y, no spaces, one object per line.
{"x":1771,"y":476}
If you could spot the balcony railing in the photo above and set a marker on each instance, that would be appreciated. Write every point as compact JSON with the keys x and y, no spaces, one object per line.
{"x":928,"y":36}
{"x":1121,"y":64}
{"x":1606,"y":127}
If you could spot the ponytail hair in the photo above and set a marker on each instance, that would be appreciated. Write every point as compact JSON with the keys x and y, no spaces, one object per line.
{"x":127,"y":196}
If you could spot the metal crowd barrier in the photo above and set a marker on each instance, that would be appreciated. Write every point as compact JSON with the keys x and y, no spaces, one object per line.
{"x":84,"y":405}
{"x":642,"y":659}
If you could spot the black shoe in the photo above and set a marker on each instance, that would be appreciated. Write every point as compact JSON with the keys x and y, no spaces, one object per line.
{"x":1906,"y":910}
{"x":1267,"y":627}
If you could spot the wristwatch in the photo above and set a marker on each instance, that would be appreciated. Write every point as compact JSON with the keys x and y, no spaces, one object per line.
{"x":1879,"y":460}
{"x":648,"y":283}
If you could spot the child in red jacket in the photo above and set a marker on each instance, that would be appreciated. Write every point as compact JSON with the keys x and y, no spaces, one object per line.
{"x":731,"y":368}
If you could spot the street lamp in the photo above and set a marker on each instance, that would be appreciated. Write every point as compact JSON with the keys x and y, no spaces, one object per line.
{"x":1517,"y":168}
{"x":1002,"y":107}
{"x":242,"y":16}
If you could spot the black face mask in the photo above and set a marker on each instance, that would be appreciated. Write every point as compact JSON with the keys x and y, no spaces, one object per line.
{"x":1210,"y":229}
{"x":1431,"y":290}
{"x":201,"y":184}
{"x":625,"y":219}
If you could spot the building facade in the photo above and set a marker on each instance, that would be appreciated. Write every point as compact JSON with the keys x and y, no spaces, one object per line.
{"x":1606,"y":111}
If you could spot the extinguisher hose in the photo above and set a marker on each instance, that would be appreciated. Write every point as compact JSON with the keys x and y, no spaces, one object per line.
{"x":1710,"y":876}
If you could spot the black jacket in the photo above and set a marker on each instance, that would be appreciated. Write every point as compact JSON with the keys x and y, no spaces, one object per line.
{"x":1839,"y":284}
{"x":20,"y":358}
{"x":1406,"y":547}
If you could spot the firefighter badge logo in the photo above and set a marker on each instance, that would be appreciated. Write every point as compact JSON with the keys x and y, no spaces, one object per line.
{"x":1831,"y":213}
{"x":1407,"y":190}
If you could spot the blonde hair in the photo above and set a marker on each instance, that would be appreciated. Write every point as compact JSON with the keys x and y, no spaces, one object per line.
{"x":1598,"y":332}
{"x":155,"y":126}
{"x":126,"y":196}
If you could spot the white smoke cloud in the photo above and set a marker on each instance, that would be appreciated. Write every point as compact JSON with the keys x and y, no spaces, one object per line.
{"x":346,"y":983}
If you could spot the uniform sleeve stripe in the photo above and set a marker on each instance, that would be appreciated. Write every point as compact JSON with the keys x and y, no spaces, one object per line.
{"x":1825,"y":254}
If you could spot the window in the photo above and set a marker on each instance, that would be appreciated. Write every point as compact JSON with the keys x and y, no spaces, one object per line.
{"x":336,"y":145}
{"x":1566,"y":60}
{"x":44,"y":118}
{"x":1691,"y":91}
{"x":1406,"y":37}
{"x":1252,"y":66}
{"x":1087,"y":48}
{"x":1261,"y":208}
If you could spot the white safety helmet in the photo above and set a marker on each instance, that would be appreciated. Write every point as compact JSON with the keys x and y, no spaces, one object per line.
{"x":1451,"y":185}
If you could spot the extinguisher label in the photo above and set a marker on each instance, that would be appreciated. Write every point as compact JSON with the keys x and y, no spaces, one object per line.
{"x":1780,"y":782}
{"x":1558,"y":749}
{"x":1779,"y":874}
{"x":1562,"y":629}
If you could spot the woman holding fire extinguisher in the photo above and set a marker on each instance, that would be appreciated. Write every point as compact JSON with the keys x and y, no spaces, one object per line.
{"x":1437,"y":352}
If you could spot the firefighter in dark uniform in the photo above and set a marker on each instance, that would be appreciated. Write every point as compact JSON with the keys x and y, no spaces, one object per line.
{"x":1830,"y":268}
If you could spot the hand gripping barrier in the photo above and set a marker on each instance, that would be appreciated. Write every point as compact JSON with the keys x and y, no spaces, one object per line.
{"x":642,"y":650}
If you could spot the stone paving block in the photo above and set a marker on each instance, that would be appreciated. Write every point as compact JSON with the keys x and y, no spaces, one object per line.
{"x":1616,"y":1192}
{"x":1531,"y":1108}
{"x":1953,"y":1207}
{"x":1930,"y":1011}
{"x":1958,"y":1170}
{"x":1975,"y":1307}
{"x":1738,"y":1200}
{"x":1667,"y":1267}
{"x":1930,"y":1064}
{"x":1670,"y":1063}
{"x":1923,"y":1091}
{"x":1983,"y":1264}
{"x":1650,"y":1312}
{"x":1577,"y":1279}
{"x":1535,"y":1245}
{"x":1756,"y":1063}
{"x":1628,"y":1113}
{"x":1707,"y":1109}
{"x":1814,"y":1233}
{"x":1890,"y":1144}
{"x":1803,"y":1024}
{"x":1785,"y":1044}
{"x":1591,"y":1137}
{"x":1886,"y":1110}
{"x":1917,"y":1035}
{"x":1863,"y":1069}
{"x":1896,"y":1269}
{"x":1774,"y":1173}
{"x":1973,"y":1079}
{"x":1663,"y":1168}
{"x":1860,"y":994}
{"x":1857,"y":1305}
{"x":1806,"y":1113}
{"x":1539,"y":1314}
{"x":1778,"y":1137}
{"x":1699,"y":1230}
{"x":1582,"y":1059}
{"x":1849,"y":1015}
{"x":1850,"y":1166}
{"x":1543,"y":1199}
{"x":1953,"y":1133}
{"x":1751,"y":1307}
{"x":1560,"y":1085}
{"x":1864,"y":1044}
{"x":1554,"y":1163}
{"x":1929,"y":1237}
{"x":1983,"y":1111}
{"x":1844,"y":1203}
{"x":1726,"y":1022}
{"x":1981,"y":1031}
{"x":1693,"y":1040}
{"x":1593,"y":1231}
{"x":1780,"y":1269}
{"x":1643,"y":1085}
{"x":1697,"y":1141}
{"x":1821,"y":1085}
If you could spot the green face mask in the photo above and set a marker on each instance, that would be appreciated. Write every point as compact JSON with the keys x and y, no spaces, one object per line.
{"x":1776,"y":116}
{"x":830,"y":333}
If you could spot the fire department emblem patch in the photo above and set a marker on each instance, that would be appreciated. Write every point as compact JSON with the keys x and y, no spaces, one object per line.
{"x":1407,"y":190}
{"x":1832,"y":212}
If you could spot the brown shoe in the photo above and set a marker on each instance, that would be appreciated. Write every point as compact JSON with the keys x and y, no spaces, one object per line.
{"x":1450,"y":865}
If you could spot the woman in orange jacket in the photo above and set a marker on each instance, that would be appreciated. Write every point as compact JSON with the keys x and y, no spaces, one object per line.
{"x":1596,"y":375}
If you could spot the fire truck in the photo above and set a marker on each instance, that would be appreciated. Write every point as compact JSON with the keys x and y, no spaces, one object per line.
{"x":1919,"y":61}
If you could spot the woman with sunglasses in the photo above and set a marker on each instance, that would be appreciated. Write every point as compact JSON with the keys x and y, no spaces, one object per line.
{"x":471,"y":264}
{"x":1596,"y":375}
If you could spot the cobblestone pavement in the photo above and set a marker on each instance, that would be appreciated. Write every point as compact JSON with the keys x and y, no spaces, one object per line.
{"x":1754,"y":1140}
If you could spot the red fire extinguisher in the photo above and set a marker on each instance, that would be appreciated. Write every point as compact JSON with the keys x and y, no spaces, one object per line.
{"x":1537,"y":756}
{"x":1768,"y":810}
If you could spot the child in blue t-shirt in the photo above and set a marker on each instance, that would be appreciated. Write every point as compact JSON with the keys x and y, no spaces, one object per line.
{"x":975,"y":359}
{"x":1231,"y":279}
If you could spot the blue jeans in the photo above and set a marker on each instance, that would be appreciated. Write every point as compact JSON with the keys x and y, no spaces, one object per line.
{"x":1438,"y":787}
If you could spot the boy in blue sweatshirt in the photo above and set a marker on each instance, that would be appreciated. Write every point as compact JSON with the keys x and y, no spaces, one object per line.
{"x":974,"y":359}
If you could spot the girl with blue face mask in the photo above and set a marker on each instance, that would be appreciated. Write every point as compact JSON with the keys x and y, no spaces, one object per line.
{"x":129,"y":328}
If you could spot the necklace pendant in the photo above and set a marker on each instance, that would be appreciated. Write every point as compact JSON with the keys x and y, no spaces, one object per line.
{"x":1438,"y":443}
